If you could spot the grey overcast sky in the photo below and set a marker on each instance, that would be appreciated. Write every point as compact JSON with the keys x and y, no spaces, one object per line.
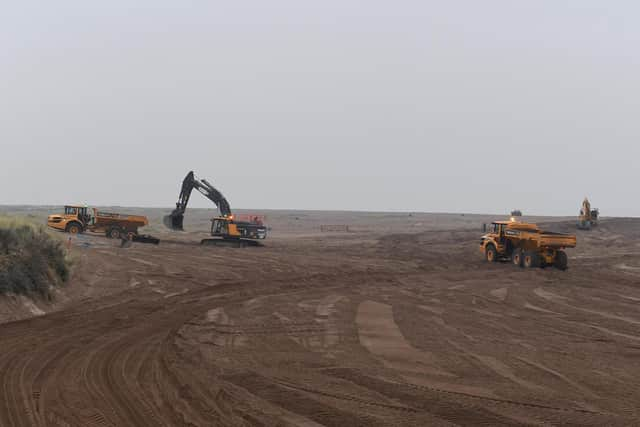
{"x":449,"y":106}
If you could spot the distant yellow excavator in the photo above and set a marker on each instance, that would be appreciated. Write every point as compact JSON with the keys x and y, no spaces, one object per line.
{"x":588,"y":217}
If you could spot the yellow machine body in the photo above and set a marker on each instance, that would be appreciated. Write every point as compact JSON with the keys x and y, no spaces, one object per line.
{"x":526,"y":244}
{"x":78,"y":219}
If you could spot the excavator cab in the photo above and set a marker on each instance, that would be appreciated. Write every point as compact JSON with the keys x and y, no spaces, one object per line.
{"x":224,"y":227}
{"x":219,"y":227}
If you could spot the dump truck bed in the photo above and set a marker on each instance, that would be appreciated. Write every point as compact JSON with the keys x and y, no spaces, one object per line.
{"x":104,"y":219}
{"x":556,"y":240}
{"x":542,"y":239}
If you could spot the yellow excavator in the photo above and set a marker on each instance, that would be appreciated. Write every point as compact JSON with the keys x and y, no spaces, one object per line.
{"x":588,"y":217}
{"x":226,"y":229}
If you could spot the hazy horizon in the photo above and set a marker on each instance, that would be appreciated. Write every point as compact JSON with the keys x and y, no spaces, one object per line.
{"x":132,"y":209}
{"x":423,"y":106}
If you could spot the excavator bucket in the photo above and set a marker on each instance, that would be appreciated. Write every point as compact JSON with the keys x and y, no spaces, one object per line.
{"x":174,"y":221}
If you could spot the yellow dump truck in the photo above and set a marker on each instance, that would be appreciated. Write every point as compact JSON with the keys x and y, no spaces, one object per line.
{"x":526,"y":245}
{"x":78,"y":219}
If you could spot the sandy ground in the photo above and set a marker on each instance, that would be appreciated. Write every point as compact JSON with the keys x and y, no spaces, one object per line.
{"x":398,"y":322}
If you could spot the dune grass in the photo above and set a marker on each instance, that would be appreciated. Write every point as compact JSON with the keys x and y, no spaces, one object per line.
{"x":31,"y":260}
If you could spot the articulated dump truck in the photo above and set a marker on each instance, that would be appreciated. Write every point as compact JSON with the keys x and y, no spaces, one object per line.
{"x":78,"y":219}
{"x":526,"y":245}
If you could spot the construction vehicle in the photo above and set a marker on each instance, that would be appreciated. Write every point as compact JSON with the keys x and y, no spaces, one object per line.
{"x":78,"y":219}
{"x":225,"y":228}
{"x":588,"y":217}
{"x":526,"y":245}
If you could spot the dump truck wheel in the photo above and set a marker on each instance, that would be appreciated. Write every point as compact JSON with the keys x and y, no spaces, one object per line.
{"x":74,"y":228}
{"x":516,"y":257}
{"x":531,"y":260}
{"x":561,"y":262}
{"x":491,"y":253}
{"x":114,"y":233}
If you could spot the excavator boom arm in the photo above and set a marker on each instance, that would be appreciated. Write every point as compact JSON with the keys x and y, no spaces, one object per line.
{"x":176,"y":218}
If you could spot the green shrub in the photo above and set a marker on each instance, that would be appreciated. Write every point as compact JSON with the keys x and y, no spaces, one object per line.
{"x":31,"y":260}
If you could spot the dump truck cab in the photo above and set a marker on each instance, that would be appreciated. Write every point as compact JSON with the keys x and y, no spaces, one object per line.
{"x":495,"y":235}
{"x":74,"y":219}
{"x":498,"y":236}
{"x":525,"y":245}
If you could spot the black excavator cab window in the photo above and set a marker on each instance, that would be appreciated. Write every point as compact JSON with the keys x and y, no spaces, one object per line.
{"x":219,"y":227}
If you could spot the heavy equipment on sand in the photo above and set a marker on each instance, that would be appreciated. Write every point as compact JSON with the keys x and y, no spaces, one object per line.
{"x":526,"y":245}
{"x":225,"y":229}
{"x":78,"y":219}
{"x":588,"y":217}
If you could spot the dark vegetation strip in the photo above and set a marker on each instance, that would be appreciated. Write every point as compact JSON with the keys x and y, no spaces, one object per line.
{"x":31,"y":260}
